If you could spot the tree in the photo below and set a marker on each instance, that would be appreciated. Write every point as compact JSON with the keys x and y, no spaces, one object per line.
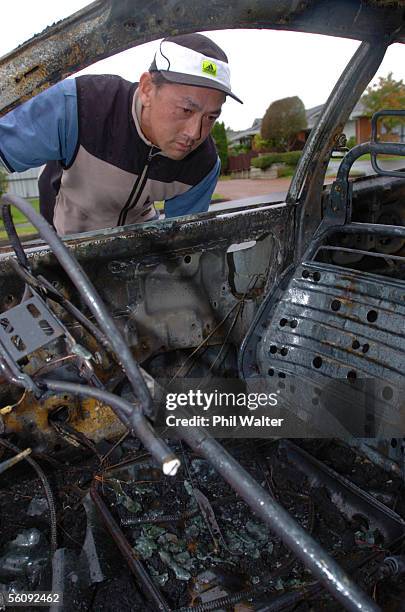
{"x":282,"y":121}
{"x":386,"y":94}
{"x":219,"y":135}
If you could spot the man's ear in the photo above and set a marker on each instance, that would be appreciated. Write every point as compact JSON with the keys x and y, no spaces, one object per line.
{"x":145,"y":88}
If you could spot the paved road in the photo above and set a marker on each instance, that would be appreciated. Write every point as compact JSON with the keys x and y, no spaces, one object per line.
{"x":274,"y":190}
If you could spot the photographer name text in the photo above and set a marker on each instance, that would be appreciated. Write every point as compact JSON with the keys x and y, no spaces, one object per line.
{"x":223,"y":421}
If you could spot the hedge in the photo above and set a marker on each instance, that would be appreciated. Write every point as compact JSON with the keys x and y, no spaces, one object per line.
{"x":285,"y":171}
{"x":290,"y":158}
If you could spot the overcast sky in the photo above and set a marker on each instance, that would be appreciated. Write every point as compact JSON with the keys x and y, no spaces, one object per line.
{"x":265,"y":65}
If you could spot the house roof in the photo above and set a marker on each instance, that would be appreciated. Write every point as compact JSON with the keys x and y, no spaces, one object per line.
{"x":234,"y":136}
{"x":313,"y":113}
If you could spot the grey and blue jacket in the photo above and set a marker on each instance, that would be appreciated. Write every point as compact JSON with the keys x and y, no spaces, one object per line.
{"x":102,"y":171}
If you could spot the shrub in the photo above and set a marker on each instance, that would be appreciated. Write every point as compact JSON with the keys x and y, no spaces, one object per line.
{"x":282,"y":121}
{"x":265,"y":161}
{"x":292,"y":157}
{"x":238,"y":149}
{"x":260,"y":145}
{"x":285,"y":171}
{"x":351,"y":142}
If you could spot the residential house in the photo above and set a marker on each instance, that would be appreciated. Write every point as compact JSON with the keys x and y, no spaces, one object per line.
{"x":358,"y":126}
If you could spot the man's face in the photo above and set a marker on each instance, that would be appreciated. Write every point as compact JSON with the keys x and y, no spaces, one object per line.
{"x":178,"y":118}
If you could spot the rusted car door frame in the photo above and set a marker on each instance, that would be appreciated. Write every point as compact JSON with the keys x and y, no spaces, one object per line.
{"x":105,"y":28}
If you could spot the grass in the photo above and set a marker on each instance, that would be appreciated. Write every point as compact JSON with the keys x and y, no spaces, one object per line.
{"x":18,"y":217}
{"x":23,"y":227}
{"x":21,"y":231}
{"x":366,"y":157}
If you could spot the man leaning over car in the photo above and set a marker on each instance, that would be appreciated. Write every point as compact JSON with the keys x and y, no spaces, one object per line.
{"x":112,"y":148}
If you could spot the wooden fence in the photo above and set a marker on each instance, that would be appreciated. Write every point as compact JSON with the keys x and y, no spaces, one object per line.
{"x":240,"y":162}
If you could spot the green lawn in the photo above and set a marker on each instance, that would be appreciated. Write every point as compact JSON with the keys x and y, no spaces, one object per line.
{"x":23,"y":227}
{"x":366,"y":157}
{"x":18,"y":217}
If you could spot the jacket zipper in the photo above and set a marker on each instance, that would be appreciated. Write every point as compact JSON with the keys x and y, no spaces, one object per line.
{"x":136,"y":191}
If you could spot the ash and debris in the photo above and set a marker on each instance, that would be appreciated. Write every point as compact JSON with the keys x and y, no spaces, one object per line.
{"x":193,"y":556}
{"x":180,"y":550}
{"x":361,"y":471}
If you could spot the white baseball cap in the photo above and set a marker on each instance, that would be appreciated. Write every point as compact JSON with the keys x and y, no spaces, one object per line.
{"x":193,"y":59}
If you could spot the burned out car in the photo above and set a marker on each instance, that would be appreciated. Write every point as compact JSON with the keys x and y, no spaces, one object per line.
{"x":302,"y":299}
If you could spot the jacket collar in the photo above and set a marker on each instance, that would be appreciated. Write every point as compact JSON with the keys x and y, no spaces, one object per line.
{"x":136,"y":114}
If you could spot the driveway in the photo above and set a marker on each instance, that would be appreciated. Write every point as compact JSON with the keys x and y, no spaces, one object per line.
{"x":260,"y":190}
{"x":235,"y":189}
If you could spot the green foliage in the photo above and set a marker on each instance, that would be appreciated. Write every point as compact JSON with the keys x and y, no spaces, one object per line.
{"x":282,"y":121}
{"x":3,"y":181}
{"x":19,"y":218}
{"x":265,"y":161}
{"x":292,"y":157}
{"x":285,"y":171}
{"x":238,"y":149}
{"x":351,"y":142}
{"x":386,"y":94}
{"x":219,"y":135}
{"x":260,"y":145}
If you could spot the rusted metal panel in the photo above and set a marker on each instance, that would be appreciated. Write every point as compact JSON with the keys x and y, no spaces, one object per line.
{"x":30,"y":421}
{"x":205,"y":231}
{"x":107,"y":27}
{"x":201,"y":281}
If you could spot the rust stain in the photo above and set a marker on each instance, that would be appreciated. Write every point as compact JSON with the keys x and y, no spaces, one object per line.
{"x":98,"y":421}
{"x":36,"y":73}
{"x":93,"y":419}
{"x":349,"y":291}
{"x":77,"y":55}
{"x":355,"y":352}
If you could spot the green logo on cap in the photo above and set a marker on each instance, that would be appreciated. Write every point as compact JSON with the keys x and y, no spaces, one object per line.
{"x":209,"y":67}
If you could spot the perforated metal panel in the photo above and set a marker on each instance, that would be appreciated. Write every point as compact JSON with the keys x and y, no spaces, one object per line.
{"x":343,"y":323}
{"x":27,"y":327}
{"x":333,"y":337}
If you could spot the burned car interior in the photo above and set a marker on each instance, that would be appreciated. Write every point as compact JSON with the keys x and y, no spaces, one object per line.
{"x":103,"y":508}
